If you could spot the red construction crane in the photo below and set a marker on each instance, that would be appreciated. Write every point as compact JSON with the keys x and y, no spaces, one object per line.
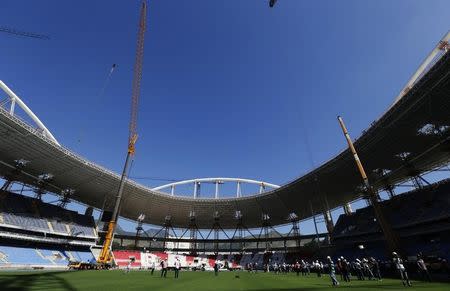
{"x":105,"y":255}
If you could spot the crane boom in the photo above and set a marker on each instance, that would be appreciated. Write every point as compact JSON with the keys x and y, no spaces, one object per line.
{"x":137,"y":77}
{"x":105,"y":255}
{"x":22,"y":33}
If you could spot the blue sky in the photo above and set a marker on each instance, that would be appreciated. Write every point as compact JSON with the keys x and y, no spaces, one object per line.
{"x":230,"y":88}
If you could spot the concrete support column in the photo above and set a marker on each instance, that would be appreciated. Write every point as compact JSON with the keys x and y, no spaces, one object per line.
{"x":328,"y":221}
{"x":390,"y":191}
{"x":348,"y":208}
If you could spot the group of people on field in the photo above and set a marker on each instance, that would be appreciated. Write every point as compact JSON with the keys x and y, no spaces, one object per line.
{"x":362,"y":269}
{"x":164,"y":267}
{"x":370,"y":269}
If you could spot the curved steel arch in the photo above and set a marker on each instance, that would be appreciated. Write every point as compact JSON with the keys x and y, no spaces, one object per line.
{"x":441,"y":48}
{"x":16,"y":100}
{"x":216,"y":181}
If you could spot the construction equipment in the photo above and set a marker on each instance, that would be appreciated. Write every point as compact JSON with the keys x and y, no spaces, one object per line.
{"x":105,"y":257}
{"x":389,"y":234}
{"x":22,"y":33}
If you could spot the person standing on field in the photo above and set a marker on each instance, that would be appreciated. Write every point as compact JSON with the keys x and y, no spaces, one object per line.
{"x":216,"y":268}
{"x":375,"y":268}
{"x":177,"y":267}
{"x":152,"y":267}
{"x":297,"y":267}
{"x":398,"y":262}
{"x":128,"y":267}
{"x":332,"y":272}
{"x":345,"y":269}
{"x":164,"y":268}
{"x":422,"y":268}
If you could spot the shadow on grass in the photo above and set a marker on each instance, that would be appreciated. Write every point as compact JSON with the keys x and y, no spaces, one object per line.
{"x":315,"y":287}
{"x":327,"y":288}
{"x":36,"y":281}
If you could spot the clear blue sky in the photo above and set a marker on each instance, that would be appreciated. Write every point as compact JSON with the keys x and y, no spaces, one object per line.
{"x":230,"y":88}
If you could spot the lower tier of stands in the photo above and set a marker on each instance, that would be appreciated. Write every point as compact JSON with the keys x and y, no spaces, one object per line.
{"x":232,"y":261}
{"x":40,"y":257}
{"x":147,"y":259}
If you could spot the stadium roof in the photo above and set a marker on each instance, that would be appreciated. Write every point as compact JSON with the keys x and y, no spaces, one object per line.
{"x":411,"y":137}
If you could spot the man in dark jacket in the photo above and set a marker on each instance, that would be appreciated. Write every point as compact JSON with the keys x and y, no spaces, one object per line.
{"x":375,"y":268}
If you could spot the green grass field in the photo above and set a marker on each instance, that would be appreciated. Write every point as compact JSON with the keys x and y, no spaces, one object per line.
{"x":198,"y":281}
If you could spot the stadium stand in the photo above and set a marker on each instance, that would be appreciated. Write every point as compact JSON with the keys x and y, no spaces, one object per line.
{"x":430,"y":204}
{"x":277,"y":258}
{"x":415,"y":213}
{"x":123,"y":257}
{"x":421,"y":217}
{"x":40,"y":257}
{"x":17,"y":211}
{"x":229,"y":261}
{"x":34,"y":234}
{"x":252,"y":259}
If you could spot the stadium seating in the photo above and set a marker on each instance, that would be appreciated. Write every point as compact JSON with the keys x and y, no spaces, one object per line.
{"x":277,"y":258}
{"x":59,"y":227}
{"x":420,"y":217}
{"x":28,"y":213}
{"x":122,"y":258}
{"x":234,"y":261}
{"x":246,"y":259}
{"x":430,"y":204}
{"x":26,"y":222}
{"x":252,"y":259}
{"x":79,"y":256}
{"x":11,"y":256}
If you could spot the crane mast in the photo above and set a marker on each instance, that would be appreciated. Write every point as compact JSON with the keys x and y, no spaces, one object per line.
{"x":105,"y":255}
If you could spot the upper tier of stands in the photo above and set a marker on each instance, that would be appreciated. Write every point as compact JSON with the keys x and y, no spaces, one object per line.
{"x":21,"y":212}
{"x":418,"y":207}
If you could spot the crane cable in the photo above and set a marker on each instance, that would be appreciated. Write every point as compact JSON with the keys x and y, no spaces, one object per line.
{"x":98,"y":98}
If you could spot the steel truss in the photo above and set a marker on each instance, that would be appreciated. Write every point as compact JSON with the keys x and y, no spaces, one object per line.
{"x":240,"y":230}
{"x":417,"y":180}
{"x":14,"y":174}
{"x":193,"y":231}
{"x":232,"y":242}
{"x":237,"y":242}
{"x":295,"y":230}
{"x":216,"y":228}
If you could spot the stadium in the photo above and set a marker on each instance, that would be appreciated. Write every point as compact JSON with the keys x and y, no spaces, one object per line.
{"x":379,"y":209}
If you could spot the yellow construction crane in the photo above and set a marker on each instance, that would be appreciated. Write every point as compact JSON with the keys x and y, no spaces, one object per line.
{"x":105,"y":255}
